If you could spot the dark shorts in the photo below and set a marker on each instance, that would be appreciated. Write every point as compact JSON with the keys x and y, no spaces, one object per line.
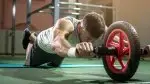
{"x":39,"y":57}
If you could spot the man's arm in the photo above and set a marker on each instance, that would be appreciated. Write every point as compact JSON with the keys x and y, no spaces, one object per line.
{"x":62,"y":47}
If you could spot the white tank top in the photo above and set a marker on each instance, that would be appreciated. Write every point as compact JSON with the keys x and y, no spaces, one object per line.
{"x":45,"y":38}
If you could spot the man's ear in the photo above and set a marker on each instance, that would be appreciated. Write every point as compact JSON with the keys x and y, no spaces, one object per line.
{"x":81,"y":23}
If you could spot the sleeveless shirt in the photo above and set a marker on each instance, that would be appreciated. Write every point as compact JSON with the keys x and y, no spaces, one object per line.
{"x":45,"y":38}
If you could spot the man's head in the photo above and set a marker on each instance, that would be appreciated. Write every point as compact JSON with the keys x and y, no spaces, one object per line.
{"x":94,"y":24}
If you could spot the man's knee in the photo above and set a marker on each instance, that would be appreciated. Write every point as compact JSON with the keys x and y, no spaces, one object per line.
{"x":56,"y":63}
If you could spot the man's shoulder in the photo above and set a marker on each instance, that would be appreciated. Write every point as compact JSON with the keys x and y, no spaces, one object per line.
{"x":71,"y":18}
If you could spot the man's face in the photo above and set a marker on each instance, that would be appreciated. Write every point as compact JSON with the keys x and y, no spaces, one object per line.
{"x":84,"y":35}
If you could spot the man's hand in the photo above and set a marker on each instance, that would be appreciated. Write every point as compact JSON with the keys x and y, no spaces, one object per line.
{"x":84,"y":49}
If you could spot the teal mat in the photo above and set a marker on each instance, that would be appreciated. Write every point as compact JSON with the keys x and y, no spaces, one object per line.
{"x":45,"y":66}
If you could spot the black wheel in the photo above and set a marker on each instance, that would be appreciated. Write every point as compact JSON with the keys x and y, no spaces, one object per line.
{"x":124,"y":66}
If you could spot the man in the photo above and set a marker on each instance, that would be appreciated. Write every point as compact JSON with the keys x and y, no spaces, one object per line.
{"x":69,"y":37}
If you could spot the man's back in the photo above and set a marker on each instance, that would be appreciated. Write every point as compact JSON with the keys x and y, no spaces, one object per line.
{"x":46,"y":37}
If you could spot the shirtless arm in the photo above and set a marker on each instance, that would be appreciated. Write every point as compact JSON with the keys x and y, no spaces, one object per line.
{"x":61,"y":47}
{"x":60,"y":44}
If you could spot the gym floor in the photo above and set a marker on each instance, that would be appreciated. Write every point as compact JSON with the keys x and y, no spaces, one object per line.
{"x":72,"y":71}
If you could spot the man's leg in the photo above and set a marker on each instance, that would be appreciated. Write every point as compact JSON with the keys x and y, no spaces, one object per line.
{"x":56,"y":62}
{"x":33,"y":55}
{"x":39,"y":57}
{"x":147,"y":50}
{"x":26,"y":39}
{"x":28,"y":54}
{"x":36,"y":57}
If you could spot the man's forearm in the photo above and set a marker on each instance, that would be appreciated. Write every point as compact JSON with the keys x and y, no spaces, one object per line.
{"x":62,"y":48}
